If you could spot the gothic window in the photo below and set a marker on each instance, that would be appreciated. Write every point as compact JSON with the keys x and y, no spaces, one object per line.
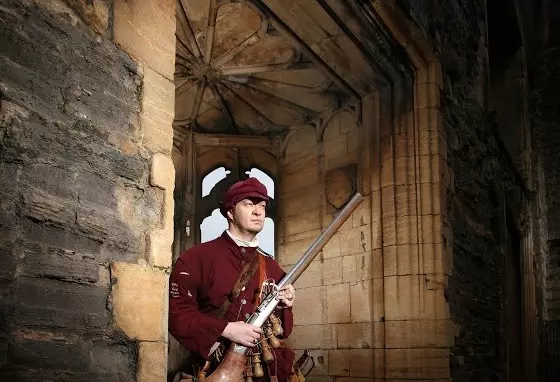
{"x":214,"y":224}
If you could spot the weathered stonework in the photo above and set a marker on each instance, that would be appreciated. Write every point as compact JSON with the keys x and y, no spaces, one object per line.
{"x":80,"y":195}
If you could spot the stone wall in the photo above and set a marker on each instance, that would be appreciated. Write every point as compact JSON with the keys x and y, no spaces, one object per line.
{"x":318,"y":177}
{"x":485,"y":183}
{"x":546,"y":119}
{"x":86,"y":189}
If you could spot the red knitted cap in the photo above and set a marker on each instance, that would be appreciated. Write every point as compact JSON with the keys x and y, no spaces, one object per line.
{"x":244,"y":189}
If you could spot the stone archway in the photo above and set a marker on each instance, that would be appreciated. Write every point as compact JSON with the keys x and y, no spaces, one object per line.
{"x":400,"y":164}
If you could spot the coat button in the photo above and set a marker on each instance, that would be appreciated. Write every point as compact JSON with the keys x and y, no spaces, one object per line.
{"x":242,"y":250}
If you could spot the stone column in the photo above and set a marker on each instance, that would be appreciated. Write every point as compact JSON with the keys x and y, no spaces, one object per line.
{"x":411,"y":177}
{"x":146,"y":31}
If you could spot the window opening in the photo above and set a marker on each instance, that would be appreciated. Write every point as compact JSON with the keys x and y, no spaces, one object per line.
{"x":212,"y":179}
{"x":214,"y":225}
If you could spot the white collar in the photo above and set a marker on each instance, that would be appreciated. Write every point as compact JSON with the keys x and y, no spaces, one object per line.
{"x":243,"y":243}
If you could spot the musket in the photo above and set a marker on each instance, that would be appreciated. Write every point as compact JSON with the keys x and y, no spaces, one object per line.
{"x":232,"y":367}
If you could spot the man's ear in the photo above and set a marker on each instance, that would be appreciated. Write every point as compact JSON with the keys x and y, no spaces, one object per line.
{"x":229,"y":215}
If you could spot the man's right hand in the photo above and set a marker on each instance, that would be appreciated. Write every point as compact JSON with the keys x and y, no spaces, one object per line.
{"x":242,"y":333}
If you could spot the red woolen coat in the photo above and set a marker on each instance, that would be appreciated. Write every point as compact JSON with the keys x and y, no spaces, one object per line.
{"x":201,"y":281}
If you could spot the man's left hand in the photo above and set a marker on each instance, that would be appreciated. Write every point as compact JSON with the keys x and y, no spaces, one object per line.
{"x":286,"y":296}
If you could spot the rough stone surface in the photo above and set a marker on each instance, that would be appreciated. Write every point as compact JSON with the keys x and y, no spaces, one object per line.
{"x":482,"y":172}
{"x":140,"y":311}
{"x":74,"y":190}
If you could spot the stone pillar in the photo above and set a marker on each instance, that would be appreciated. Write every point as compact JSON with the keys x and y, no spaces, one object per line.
{"x":146,"y":31}
{"x":411,"y":177}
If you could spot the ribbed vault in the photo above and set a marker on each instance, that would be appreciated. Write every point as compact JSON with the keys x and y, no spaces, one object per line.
{"x":236,"y":73}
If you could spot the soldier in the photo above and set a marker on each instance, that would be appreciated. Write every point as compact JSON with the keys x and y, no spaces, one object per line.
{"x":207,"y":304}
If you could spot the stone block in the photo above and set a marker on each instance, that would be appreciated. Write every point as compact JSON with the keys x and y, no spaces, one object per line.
{"x":373,"y":270}
{"x":45,"y":350}
{"x":406,"y":298}
{"x":377,"y":234}
{"x":400,"y":260}
{"x":104,"y":226}
{"x":336,"y":161}
{"x":349,"y":268}
{"x":436,"y":259}
{"x":47,"y":303}
{"x":361,"y":301}
{"x":158,"y":98}
{"x":338,"y":303}
{"x":301,"y":235}
{"x":379,"y":363}
{"x":417,"y":363}
{"x":162,"y":172}
{"x":303,"y":222}
{"x":306,"y":159}
{"x":378,"y":299}
{"x":307,"y":297}
{"x":362,"y":266}
{"x":311,"y":337}
{"x":301,"y":141}
{"x":433,"y":199}
{"x":304,"y":200}
{"x":332,"y":248}
{"x":432,"y":169}
{"x":332,"y":271}
{"x":428,"y":96}
{"x":378,"y":335}
{"x":400,"y":230}
{"x":354,"y":336}
{"x":140,"y":312}
{"x":44,"y":207}
{"x":353,"y":141}
{"x":362,"y":363}
{"x":419,"y":334}
{"x":339,"y":362}
{"x":398,"y":171}
{"x":60,"y":264}
{"x":431,"y":229}
{"x":312,"y":277}
{"x":362,"y":214}
{"x":115,"y":359}
{"x":152,"y":362}
{"x":430,"y":119}
{"x":96,"y":13}
{"x":307,"y":177}
{"x":146,"y":30}
{"x":355,"y":240}
{"x":7,"y":260}
{"x":159,"y":248}
{"x":290,"y":253}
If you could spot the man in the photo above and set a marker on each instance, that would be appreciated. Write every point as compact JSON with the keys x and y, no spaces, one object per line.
{"x":204,"y":276}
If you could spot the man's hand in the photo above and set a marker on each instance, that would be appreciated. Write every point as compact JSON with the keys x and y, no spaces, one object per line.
{"x":242,"y":333}
{"x":286,"y":296}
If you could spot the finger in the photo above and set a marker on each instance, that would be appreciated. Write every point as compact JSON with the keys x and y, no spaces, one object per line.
{"x":248,"y":344}
{"x":257,"y":330}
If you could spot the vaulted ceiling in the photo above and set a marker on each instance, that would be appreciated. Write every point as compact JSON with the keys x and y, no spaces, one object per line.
{"x":262,"y":67}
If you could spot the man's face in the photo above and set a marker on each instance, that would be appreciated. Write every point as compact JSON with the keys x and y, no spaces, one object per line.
{"x":248,"y":215}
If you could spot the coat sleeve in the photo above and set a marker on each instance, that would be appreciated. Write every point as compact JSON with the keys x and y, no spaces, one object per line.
{"x":195,"y":330}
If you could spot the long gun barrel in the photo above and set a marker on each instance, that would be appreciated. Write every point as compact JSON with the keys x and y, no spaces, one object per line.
{"x":269,"y":303}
